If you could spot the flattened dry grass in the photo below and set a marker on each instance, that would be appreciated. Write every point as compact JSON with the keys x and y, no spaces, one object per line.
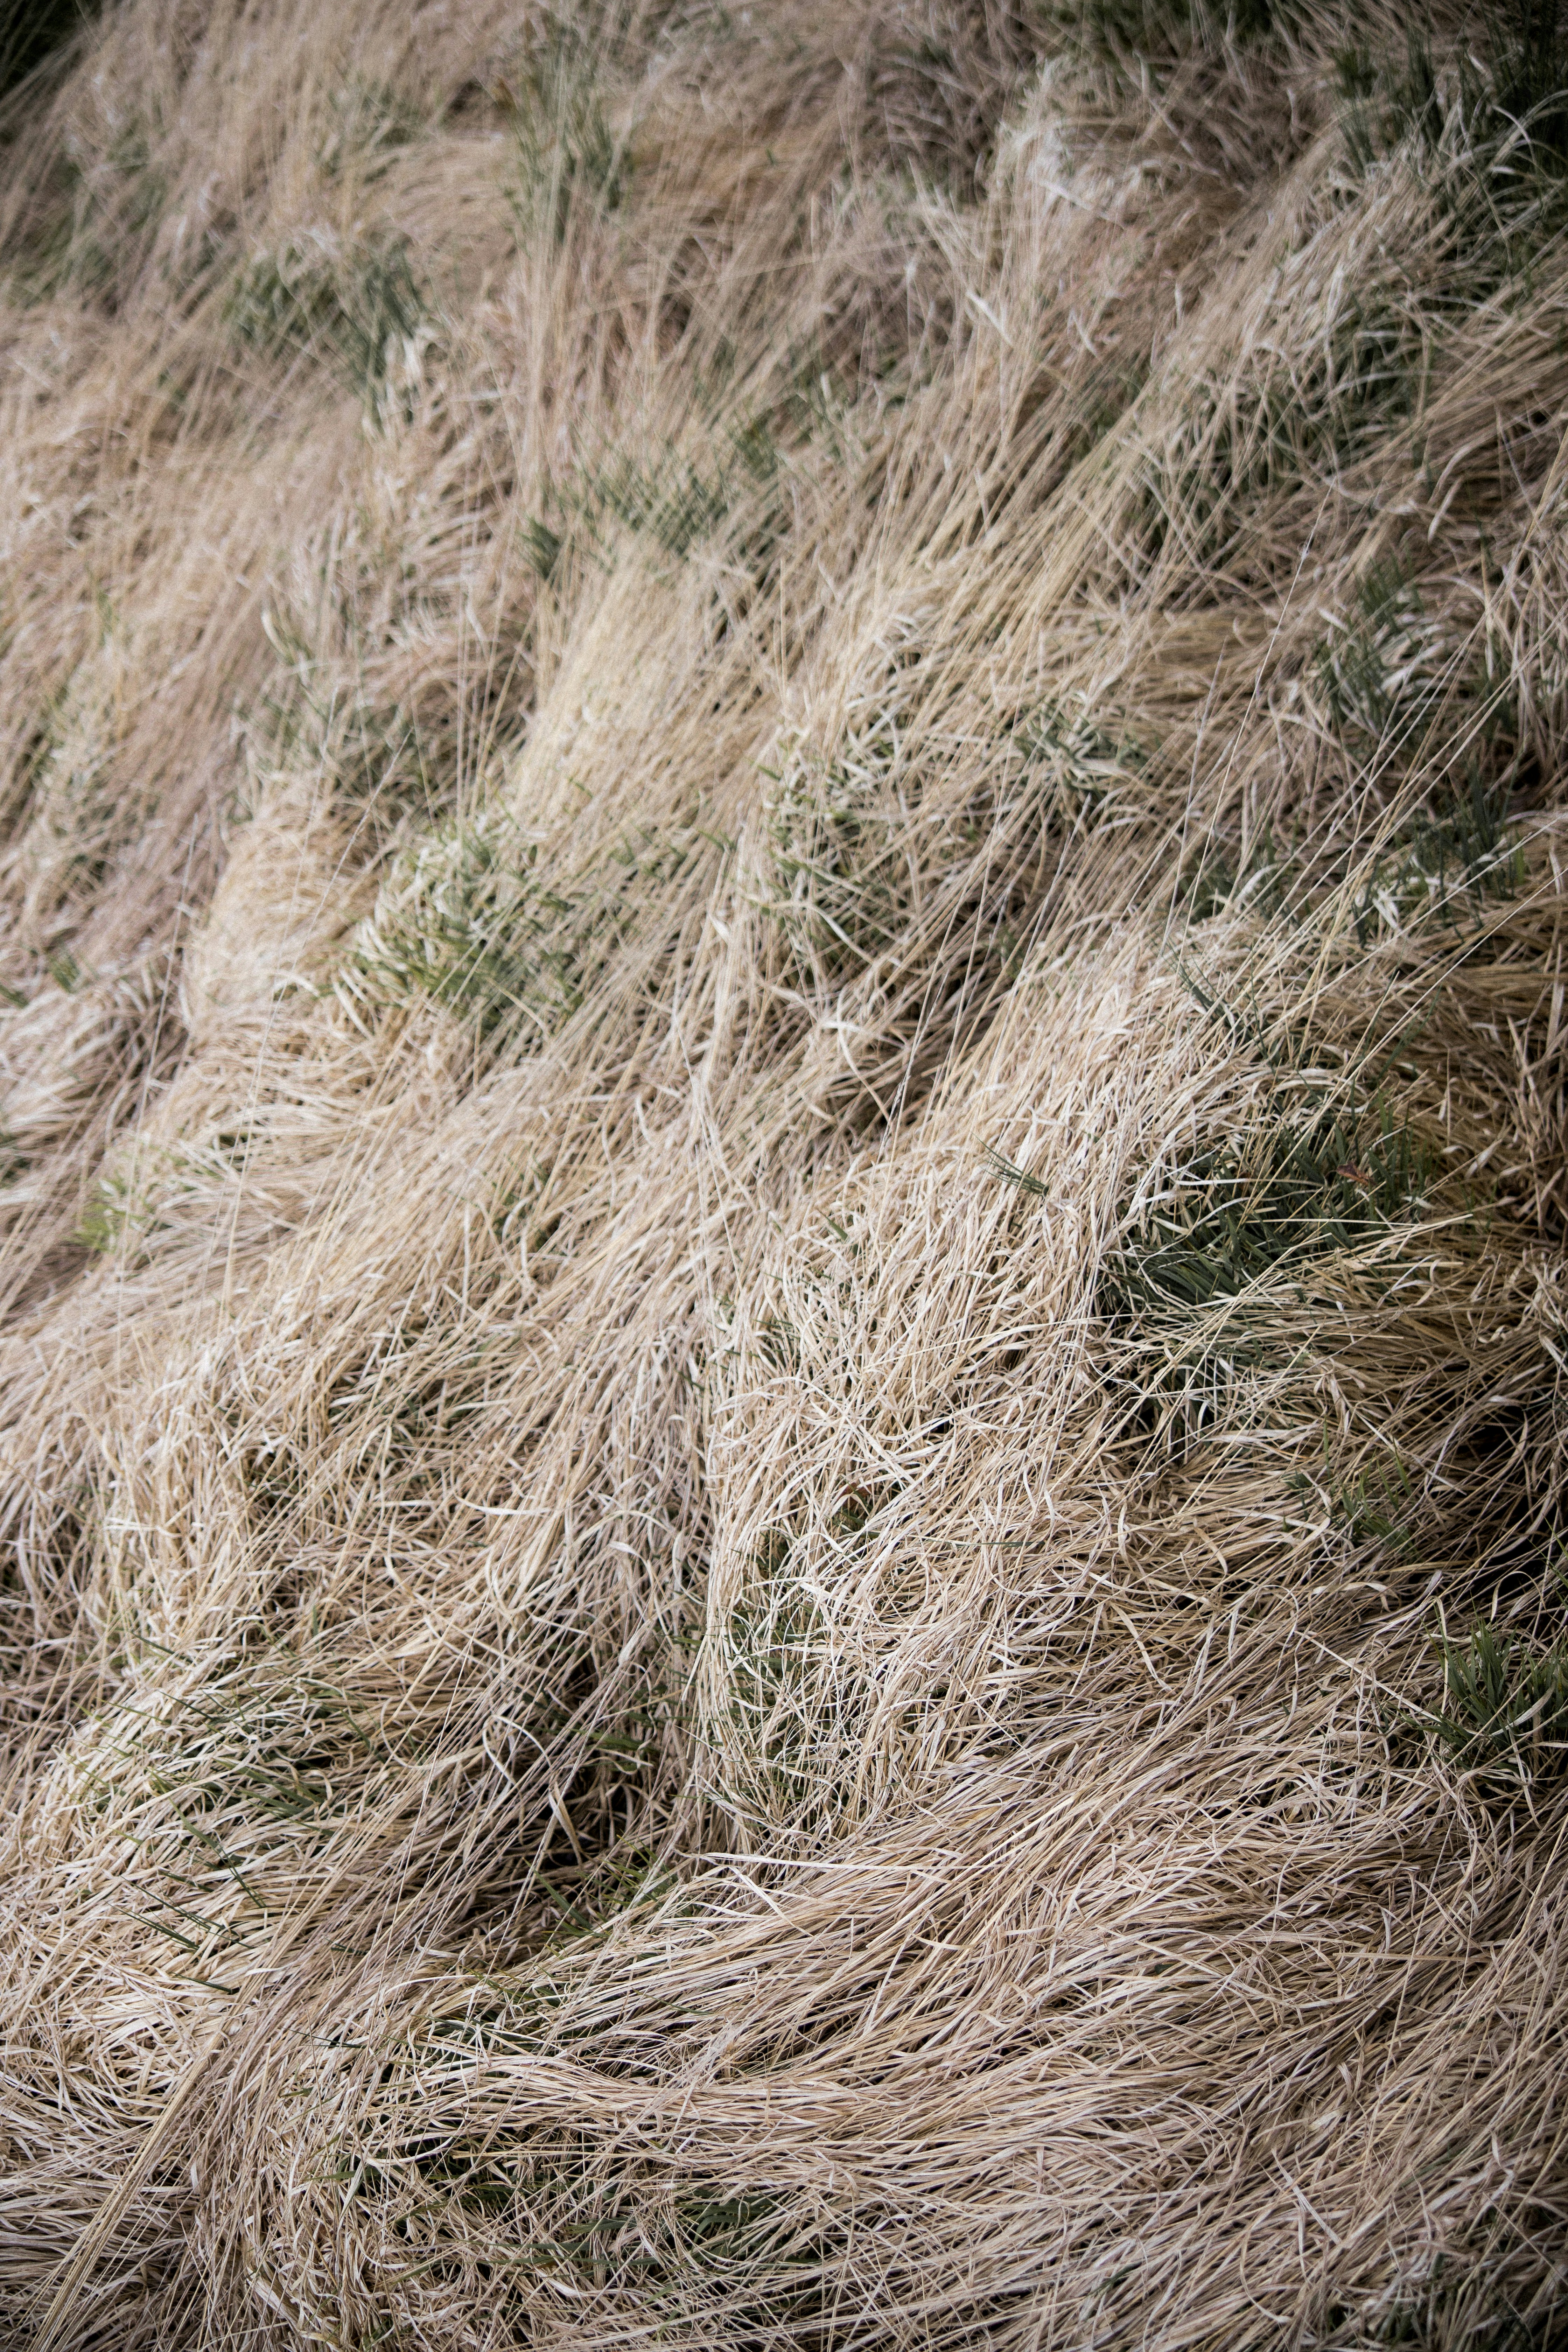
{"x":782,"y":1189}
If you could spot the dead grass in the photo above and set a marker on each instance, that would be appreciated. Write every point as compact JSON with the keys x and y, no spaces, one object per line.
{"x":781,"y":1198}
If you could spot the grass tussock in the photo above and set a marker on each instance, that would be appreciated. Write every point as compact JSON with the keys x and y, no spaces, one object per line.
{"x":782,"y":1140}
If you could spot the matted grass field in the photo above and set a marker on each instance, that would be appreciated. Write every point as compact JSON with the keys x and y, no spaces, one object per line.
{"x":784,"y":1368}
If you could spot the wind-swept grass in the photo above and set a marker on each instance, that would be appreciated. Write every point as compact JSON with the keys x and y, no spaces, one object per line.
{"x":784,"y":1090}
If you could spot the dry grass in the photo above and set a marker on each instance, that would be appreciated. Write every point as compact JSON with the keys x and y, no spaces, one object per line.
{"x":782,"y":1406}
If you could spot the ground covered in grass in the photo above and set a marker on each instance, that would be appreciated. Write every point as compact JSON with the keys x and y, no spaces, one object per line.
{"x":785,"y":1177}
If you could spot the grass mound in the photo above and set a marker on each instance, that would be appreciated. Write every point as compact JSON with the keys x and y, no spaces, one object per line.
{"x":784,"y":1178}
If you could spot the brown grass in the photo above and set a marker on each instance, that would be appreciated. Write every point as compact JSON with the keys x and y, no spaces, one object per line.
{"x":782,"y":1401}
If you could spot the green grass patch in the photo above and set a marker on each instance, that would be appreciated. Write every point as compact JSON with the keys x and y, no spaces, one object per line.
{"x":1486,"y":130}
{"x":470,"y":921}
{"x":1301,"y":1183}
{"x":572,"y":164}
{"x":1289,"y":418}
{"x":1504,"y":1717}
{"x":1208,"y":1284}
{"x":1134,"y":34}
{"x":1381,"y":672}
{"x":372,"y":125}
{"x":397,"y":768}
{"x":469,"y":924}
{"x":672,"y":501}
{"x":92,"y":219}
{"x":1446,"y":863}
{"x":352,"y":310}
{"x":1083,"y":768}
{"x":839,"y":883}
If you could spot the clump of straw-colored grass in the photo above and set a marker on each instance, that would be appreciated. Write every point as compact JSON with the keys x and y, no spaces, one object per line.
{"x":782,"y":1178}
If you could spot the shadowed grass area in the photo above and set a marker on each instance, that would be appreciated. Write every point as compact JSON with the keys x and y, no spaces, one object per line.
{"x":32,"y":31}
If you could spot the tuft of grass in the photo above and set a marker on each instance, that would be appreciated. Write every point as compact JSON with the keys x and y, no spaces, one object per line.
{"x":469,"y":924}
{"x":1085,"y":769}
{"x":1391,"y":100}
{"x":1379,"y":675}
{"x":1002,"y":1166}
{"x":83,"y":240}
{"x":467,"y":921}
{"x":1259,"y":431}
